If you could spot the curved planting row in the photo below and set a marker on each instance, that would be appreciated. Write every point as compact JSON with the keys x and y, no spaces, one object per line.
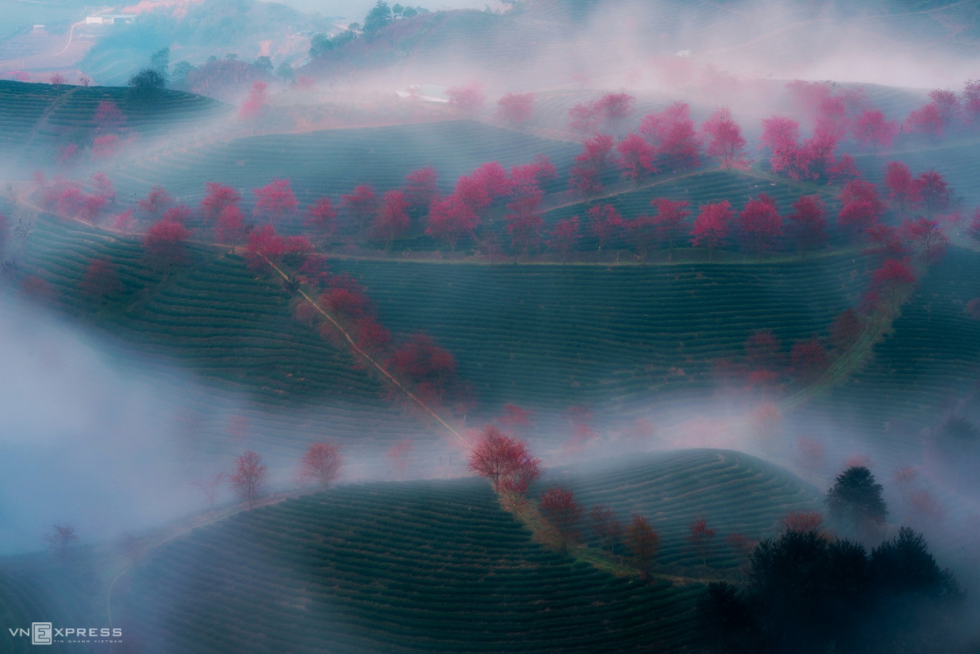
{"x":22,"y":105}
{"x":565,"y":335}
{"x":956,"y":161}
{"x":331,"y":163}
{"x":422,"y":566}
{"x":699,"y":189}
{"x":735,"y":492}
{"x":214,"y":315}
{"x":233,"y":330}
{"x":34,"y":596}
{"x":931,"y":358}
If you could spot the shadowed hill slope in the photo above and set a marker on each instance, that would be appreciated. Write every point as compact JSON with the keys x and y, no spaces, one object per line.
{"x":411,"y":567}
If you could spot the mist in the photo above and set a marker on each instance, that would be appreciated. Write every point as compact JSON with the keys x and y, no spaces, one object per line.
{"x":554,"y":319}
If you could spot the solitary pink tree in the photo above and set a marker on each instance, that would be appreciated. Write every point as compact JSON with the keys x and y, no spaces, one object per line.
{"x":468,"y":99}
{"x":218,"y":197}
{"x":589,"y":166}
{"x":605,"y":223}
{"x":701,"y":537}
{"x":497,"y":456}
{"x":670,"y":219}
{"x":255,"y":103}
{"x":109,"y":117}
{"x":781,"y":135}
{"x":564,"y":237}
{"x":635,"y":157}
{"x":614,"y":107}
{"x":421,"y":188}
{"x":711,"y":226}
{"x":321,"y":216}
{"x":926,"y":121}
{"x":891,"y":280}
{"x":559,"y":507}
{"x":360,"y":205}
{"x":873,"y":130}
{"x":861,"y":206}
{"x":275,"y":200}
{"x":321,"y":464}
{"x":392,"y":220}
{"x":164,"y":243}
{"x":230,"y":227}
{"x":249,"y":478}
{"x":936,"y":192}
{"x":101,"y":280}
{"x":155,"y":203}
{"x":674,"y":135}
{"x":263,"y":248}
{"x":809,"y":359}
{"x":63,"y":537}
{"x":725,"y":140}
{"x":762,"y":226}
{"x":808,"y":221}
{"x":973,"y":231}
{"x":451,"y":219}
{"x":903,"y":189}
{"x":927,"y":235}
{"x":516,"y":108}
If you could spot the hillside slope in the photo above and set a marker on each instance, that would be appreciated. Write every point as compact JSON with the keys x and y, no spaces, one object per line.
{"x":36,"y":119}
{"x":606,"y":336}
{"x":411,"y":567}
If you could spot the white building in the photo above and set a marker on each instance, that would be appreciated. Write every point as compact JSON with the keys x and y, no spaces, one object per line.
{"x":110,"y":19}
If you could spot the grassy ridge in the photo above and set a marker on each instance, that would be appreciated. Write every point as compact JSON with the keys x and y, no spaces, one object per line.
{"x":413,"y":567}
{"x":564,"y":335}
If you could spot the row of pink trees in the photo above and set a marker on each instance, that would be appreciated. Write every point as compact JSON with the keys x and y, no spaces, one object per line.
{"x":668,"y":140}
{"x":836,"y":117}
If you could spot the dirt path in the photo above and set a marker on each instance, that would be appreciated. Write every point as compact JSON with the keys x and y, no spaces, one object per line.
{"x":377,"y":366}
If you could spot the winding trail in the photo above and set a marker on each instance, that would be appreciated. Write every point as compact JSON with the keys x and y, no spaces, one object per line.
{"x":380,"y":368}
{"x":71,"y":35}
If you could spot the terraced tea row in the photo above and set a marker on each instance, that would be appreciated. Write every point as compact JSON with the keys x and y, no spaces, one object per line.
{"x":735,"y":492}
{"x":42,"y":594}
{"x":929,"y":360}
{"x":333,"y":162}
{"x":215,"y":315}
{"x":699,"y":189}
{"x":956,"y":161}
{"x":555,"y":336}
{"x":421,"y":566}
{"x":43,"y":116}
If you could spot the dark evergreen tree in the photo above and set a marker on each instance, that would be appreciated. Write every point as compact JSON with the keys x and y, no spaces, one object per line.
{"x":146,"y":85}
{"x":855,"y":501}
{"x":379,"y":16}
